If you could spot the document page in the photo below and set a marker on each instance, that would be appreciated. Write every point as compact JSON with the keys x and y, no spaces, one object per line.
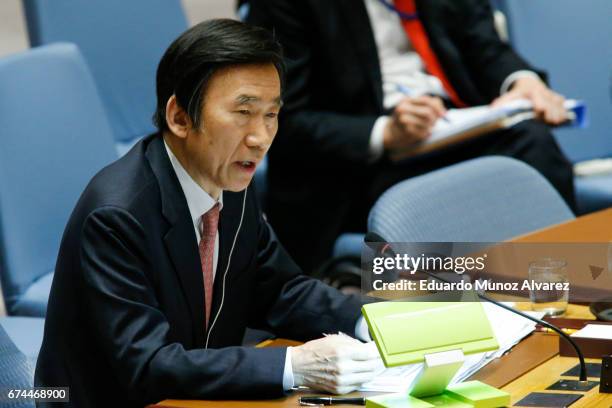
{"x":462,"y":124}
{"x":595,"y":331}
{"x":461,"y":120}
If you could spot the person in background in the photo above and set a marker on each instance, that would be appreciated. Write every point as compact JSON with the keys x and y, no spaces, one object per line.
{"x":167,"y":258}
{"x":366,"y":78}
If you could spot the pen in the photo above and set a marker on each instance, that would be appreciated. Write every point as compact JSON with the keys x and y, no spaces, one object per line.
{"x":408,"y":92}
{"x":547,"y":330}
{"x":318,"y":400}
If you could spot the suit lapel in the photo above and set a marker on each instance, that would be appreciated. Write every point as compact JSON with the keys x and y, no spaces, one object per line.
{"x":180,"y":239}
{"x":357,"y":20}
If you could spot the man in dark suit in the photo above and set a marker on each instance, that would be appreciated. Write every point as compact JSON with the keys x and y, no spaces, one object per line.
{"x":167,"y":258}
{"x":348,"y":62}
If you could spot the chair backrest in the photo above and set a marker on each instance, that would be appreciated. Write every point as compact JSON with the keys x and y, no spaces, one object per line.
{"x":2,"y":304}
{"x":54,"y":136}
{"x":122,"y":42}
{"x":571,"y":41}
{"x":488,"y":199}
{"x":15,"y":371}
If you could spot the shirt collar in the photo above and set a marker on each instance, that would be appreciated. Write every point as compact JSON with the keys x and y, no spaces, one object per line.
{"x":198,"y":200}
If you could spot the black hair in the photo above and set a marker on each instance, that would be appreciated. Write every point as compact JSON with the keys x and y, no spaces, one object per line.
{"x":199,"y":52}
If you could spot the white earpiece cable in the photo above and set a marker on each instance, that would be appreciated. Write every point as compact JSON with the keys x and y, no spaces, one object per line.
{"x":229,"y":261}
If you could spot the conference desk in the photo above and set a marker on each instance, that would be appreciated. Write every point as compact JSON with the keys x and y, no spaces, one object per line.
{"x":531,"y":366}
{"x":594,"y":227}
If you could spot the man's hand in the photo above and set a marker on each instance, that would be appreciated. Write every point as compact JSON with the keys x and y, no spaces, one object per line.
{"x":547,"y":104}
{"x":336,"y":364}
{"x":412,"y":121}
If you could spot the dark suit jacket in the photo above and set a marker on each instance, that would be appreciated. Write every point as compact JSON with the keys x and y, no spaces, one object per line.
{"x":319,"y":165}
{"x":334,"y":88}
{"x":125,"y":322}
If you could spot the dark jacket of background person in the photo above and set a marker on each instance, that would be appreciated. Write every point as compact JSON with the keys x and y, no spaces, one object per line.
{"x":125,"y":322}
{"x":320,"y":171}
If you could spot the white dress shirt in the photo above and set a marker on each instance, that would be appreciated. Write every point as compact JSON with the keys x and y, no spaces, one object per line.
{"x":401,"y":65}
{"x":198,"y":201}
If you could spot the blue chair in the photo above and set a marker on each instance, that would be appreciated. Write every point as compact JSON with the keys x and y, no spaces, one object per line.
{"x":122,"y":42}
{"x":567,"y":38}
{"x":26,"y":333}
{"x":55,"y":137}
{"x":488,"y":199}
{"x":348,"y":244}
{"x":16,"y":372}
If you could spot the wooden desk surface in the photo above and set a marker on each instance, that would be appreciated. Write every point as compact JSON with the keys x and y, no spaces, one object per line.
{"x":536,"y":379}
{"x":590,"y":228}
{"x":595,"y":227}
{"x":547,"y":374}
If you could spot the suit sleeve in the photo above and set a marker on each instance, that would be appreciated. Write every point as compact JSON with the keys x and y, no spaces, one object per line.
{"x":133,"y":334}
{"x":293,"y":305}
{"x":489,"y":58}
{"x":327,"y":133}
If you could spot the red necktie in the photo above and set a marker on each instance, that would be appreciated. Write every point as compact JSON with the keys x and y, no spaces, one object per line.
{"x":210,"y":221}
{"x":418,"y":37}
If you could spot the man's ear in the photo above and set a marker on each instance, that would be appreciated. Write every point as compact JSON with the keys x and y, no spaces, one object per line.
{"x":177,"y":119}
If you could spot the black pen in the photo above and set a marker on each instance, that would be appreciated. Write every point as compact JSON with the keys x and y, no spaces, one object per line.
{"x":316,"y":400}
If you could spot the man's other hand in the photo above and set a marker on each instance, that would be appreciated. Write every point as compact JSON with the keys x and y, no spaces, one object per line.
{"x":412,"y":121}
{"x":336,"y":364}
{"x":547,"y":104}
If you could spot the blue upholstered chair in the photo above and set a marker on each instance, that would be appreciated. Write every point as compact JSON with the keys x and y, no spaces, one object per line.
{"x":487,"y":199}
{"x":122,"y":41}
{"x":54,"y":136}
{"x":16,"y":370}
{"x":567,"y":39}
{"x":26,"y":333}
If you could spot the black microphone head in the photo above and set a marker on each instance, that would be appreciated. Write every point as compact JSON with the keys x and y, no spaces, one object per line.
{"x":373,"y":237}
{"x":378,"y":244}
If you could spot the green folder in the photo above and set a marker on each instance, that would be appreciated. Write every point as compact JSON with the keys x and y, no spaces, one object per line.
{"x":405,"y":332}
{"x":472,"y":394}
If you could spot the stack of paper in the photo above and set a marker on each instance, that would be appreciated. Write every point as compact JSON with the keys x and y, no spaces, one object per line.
{"x":509,"y":329}
{"x":458,"y":121}
{"x":462,"y":124}
{"x":595,"y":331}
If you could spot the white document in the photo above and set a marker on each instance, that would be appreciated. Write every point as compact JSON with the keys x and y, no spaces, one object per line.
{"x":463,"y":124}
{"x":595,"y":331}
{"x":458,"y":121}
{"x":509,"y":329}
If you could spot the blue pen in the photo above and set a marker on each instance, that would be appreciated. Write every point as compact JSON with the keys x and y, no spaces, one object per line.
{"x":408,"y":92}
{"x":405,"y":90}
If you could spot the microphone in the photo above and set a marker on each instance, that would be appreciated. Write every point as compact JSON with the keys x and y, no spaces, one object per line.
{"x":374,"y":238}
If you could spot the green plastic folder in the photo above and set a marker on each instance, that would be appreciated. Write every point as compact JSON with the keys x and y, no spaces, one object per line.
{"x":405,"y":332}
{"x":478,"y":395}
{"x":472,"y":394}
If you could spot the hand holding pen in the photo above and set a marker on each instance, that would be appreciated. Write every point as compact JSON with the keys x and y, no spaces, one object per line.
{"x":336,"y":364}
{"x":409,"y":93}
{"x":412,"y":121}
